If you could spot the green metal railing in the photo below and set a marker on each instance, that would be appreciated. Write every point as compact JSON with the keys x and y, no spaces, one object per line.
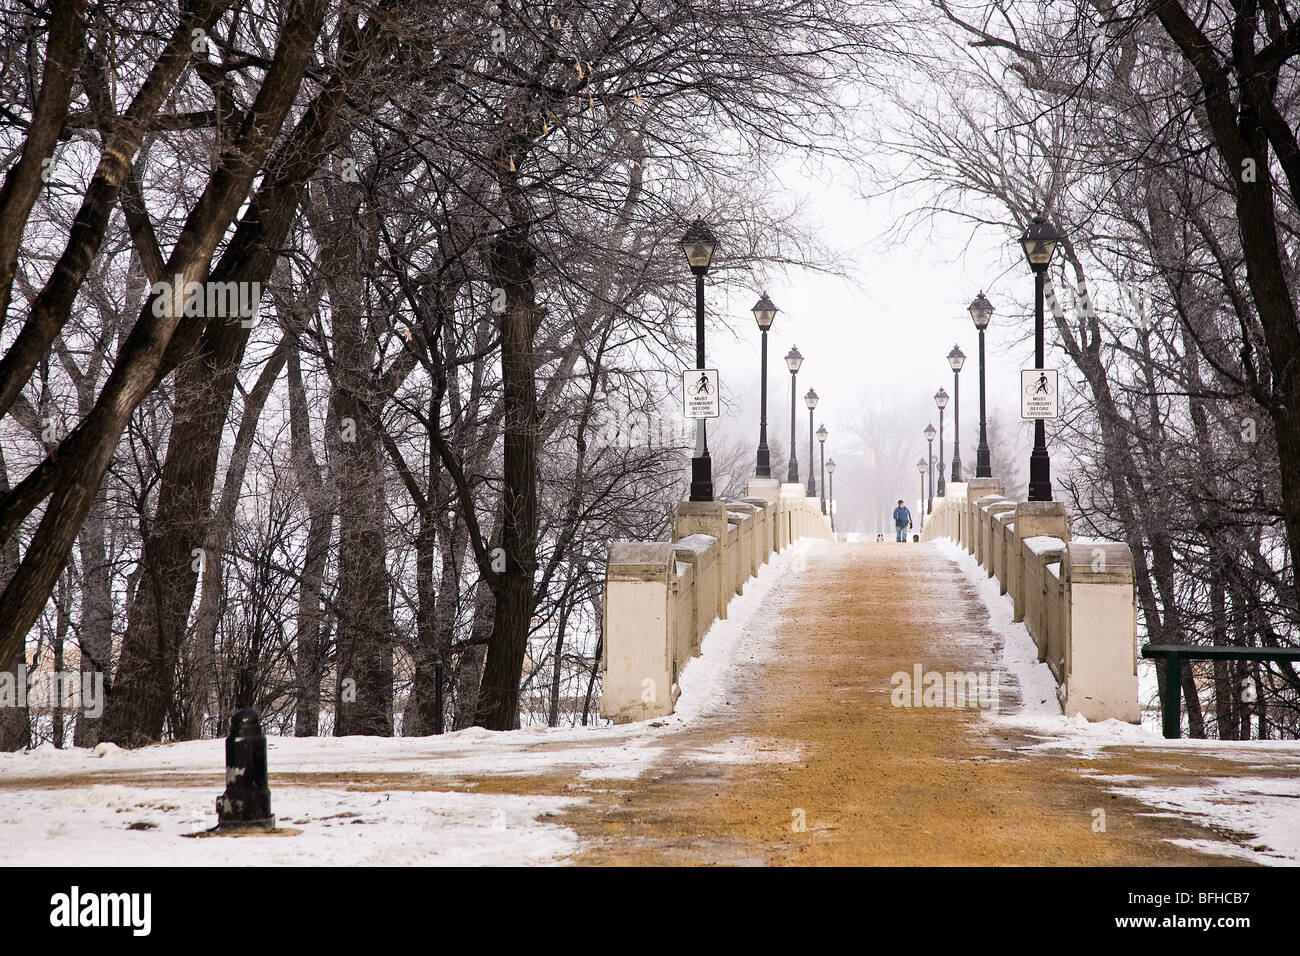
{"x":1175,"y":654}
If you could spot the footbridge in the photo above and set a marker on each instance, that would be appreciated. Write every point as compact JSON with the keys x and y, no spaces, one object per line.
{"x":1075,"y":597}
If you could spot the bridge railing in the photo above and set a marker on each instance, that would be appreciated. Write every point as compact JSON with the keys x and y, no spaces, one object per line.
{"x":661,"y":597}
{"x":1076,"y":599}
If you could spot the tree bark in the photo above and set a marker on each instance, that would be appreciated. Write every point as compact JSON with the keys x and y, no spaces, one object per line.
{"x":513,"y":264}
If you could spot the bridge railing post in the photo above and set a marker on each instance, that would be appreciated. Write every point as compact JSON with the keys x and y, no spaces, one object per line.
{"x":980,"y":519}
{"x":977,"y":489}
{"x":1001,"y":518}
{"x":701,"y":552}
{"x":762,"y":530}
{"x":1034,"y":519}
{"x":640,"y":622}
{"x":1100,"y":632}
{"x":743,"y":515}
{"x":707,"y":517}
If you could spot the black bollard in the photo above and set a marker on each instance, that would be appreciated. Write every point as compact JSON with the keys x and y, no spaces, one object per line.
{"x":246,"y":804}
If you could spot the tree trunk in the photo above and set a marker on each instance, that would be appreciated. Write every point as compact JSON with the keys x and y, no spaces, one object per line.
{"x":15,"y":725}
{"x":513,"y":265}
{"x":309,"y":661}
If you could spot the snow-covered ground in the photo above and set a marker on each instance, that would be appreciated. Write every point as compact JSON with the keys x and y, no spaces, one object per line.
{"x":110,"y":806}
{"x":363,"y":800}
{"x":1265,"y":807}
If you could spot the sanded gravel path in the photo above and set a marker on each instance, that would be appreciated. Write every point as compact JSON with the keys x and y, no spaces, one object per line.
{"x":873,"y":783}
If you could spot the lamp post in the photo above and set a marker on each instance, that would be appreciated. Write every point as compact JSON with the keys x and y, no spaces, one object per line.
{"x":981,"y":311}
{"x":698,"y":244}
{"x":929,"y":440}
{"x":956,"y":359}
{"x":821,"y":437}
{"x":920,"y":470}
{"x":792,"y":361}
{"x":1039,"y":243}
{"x":941,"y":400}
{"x":811,"y":401}
{"x":764,"y":314}
{"x":830,"y":470}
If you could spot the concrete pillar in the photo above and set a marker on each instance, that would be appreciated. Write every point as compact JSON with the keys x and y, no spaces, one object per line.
{"x":735,"y":561}
{"x":762,"y":531}
{"x":993,"y":535}
{"x":1001,"y":518}
{"x":1034,"y":519}
{"x":707,"y":517}
{"x":979,"y":525}
{"x":753,"y":531}
{"x":1101,"y":624}
{"x":792,"y":496}
{"x":639,"y":623}
{"x":976,"y":489}
{"x":702,"y":552}
{"x":747,"y":527}
{"x":956,"y":493}
{"x":769,"y":490}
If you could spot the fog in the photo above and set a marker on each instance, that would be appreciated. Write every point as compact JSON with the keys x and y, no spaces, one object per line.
{"x":875,"y":346}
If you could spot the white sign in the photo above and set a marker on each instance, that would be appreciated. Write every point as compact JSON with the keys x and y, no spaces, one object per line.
{"x":1039,"y":395}
{"x":700,"y":393}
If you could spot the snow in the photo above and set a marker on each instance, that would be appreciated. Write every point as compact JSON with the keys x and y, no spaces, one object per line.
{"x":371,"y":800}
{"x":425,"y":800}
{"x":1263,"y":810}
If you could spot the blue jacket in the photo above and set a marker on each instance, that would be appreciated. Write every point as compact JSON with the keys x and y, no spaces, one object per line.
{"x":902,"y":516}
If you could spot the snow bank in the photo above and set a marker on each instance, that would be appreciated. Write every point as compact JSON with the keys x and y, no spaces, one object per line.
{"x":1263,"y":809}
{"x":110,"y":806}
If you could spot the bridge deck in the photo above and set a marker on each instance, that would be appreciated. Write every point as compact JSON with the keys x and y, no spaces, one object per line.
{"x":876,"y":783}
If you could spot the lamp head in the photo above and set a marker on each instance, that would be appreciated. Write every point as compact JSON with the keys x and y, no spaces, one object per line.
{"x":981,"y":311}
{"x":698,"y":243}
{"x":810,"y":399}
{"x":941,"y":399}
{"x":764,"y":312}
{"x":929,"y":433}
{"x":793,"y":359}
{"x":956,"y":359}
{"x":1039,"y":242}
{"x":822,"y":433}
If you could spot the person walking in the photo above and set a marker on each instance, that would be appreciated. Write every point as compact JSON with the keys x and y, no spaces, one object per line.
{"x":902,"y":521}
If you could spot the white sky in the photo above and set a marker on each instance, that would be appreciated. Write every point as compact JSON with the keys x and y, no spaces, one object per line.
{"x":889,"y":333}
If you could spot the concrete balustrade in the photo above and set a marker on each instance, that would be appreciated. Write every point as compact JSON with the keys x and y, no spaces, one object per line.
{"x":661,"y":597}
{"x":1076,"y":599}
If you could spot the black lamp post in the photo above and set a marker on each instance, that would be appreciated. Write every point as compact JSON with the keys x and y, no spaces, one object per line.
{"x":981,"y":311}
{"x":1039,"y":243}
{"x":830,"y":470}
{"x":811,"y":401}
{"x":821,"y":437}
{"x":764,"y":314}
{"x":920,"y":470}
{"x":792,"y":361}
{"x":941,"y":400}
{"x":956,"y":359}
{"x":929,"y":440}
{"x":698,"y":245}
